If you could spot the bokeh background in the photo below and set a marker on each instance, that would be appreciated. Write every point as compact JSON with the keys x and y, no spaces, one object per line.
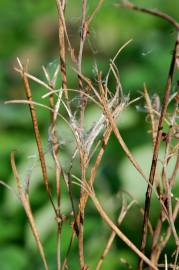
{"x":28,"y":29}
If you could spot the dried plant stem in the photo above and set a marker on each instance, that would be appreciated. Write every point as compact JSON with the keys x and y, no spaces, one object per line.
{"x":81,"y":237}
{"x":90,"y":151}
{"x":85,"y":23}
{"x":118,"y":136}
{"x":25,"y":202}
{"x":174,"y":173}
{"x":62,"y":53}
{"x":84,"y":196}
{"x":81,"y":214}
{"x":37,"y":135}
{"x":99,"y":4}
{"x":118,"y":232}
{"x":59,"y":221}
{"x":35,"y":79}
{"x":173,"y":176}
{"x":164,"y":16}
{"x":110,"y":118}
{"x":169,"y":266}
{"x":121,"y":217}
{"x":53,"y":140}
{"x":161,"y":242}
{"x":156,"y":148}
{"x":55,"y":152}
{"x":59,"y":245}
{"x":65,"y":263}
{"x":106,"y":250}
{"x":155,"y":247}
{"x":168,"y":186}
{"x":151,"y":113}
{"x":104,"y":140}
{"x":83,"y":33}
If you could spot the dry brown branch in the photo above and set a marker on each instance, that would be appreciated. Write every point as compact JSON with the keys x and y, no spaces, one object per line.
{"x":85,"y":194}
{"x":90,"y":145}
{"x":111,"y":120}
{"x":53,"y":140}
{"x":75,"y":91}
{"x":118,"y":136}
{"x":26,"y":204}
{"x":35,"y":79}
{"x":169,"y":266}
{"x":65,"y":263}
{"x":62,"y":52}
{"x":123,"y":212}
{"x":36,"y":133}
{"x":156,"y":147}
{"x":83,"y":34}
{"x":118,"y":232}
{"x":173,"y":176}
{"x":151,"y":113}
{"x":109,"y":115}
{"x":164,"y":16}
{"x":115,"y":57}
{"x":168,"y":186}
{"x":161,"y":241}
{"x":129,"y":5}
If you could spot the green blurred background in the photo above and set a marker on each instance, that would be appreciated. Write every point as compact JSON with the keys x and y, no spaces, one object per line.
{"x":28,"y":29}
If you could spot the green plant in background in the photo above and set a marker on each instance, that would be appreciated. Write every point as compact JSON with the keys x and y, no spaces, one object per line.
{"x":82,"y":111}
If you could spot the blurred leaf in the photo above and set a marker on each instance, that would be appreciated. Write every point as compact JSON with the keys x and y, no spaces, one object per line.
{"x":13,"y":257}
{"x":9,"y":230}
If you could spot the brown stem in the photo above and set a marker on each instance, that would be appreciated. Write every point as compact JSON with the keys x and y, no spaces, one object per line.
{"x":26,"y":204}
{"x":37,"y":137}
{"x":151,"y":114}
{"x":81,"y":213}
{"x":64,"y":266}
{"x":118,"y":232}
{"x":62,"y":53}
{"x":85,"y":22}
{"x":174,"y":173}
{"x":85,"y":195}
{"x":124,"y":210}
{"x":83,"y":34}
{"x":164,"y":16}
{"x":163,"y":240}
{"x":55,"y":150}
{"x":156,"y":149}
{"x":155,"y":247}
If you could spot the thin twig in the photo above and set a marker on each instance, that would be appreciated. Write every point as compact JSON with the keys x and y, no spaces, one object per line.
{"x":99,"y":4}
{"x":124,"y":210}
{"x":83,"y":34}
{"x":53,"y":140}
{"x":25,"y":202}
{"x":151,"y":113}
{"x":164,"y":16}
{"x":62,"y":53}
